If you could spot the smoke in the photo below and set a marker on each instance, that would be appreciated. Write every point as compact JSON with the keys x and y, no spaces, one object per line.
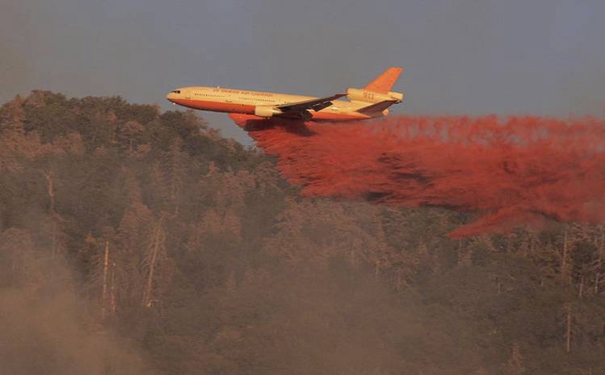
{"x":46,"y":327}
{"x":313,"y":317}
{"x":511,"y":172}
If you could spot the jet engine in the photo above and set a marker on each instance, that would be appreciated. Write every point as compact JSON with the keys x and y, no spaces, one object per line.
{"x":359,"y":95}
{"x":265,"y":111}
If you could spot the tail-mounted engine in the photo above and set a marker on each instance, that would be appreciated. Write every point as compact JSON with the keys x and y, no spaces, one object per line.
{"x":359,"y":95}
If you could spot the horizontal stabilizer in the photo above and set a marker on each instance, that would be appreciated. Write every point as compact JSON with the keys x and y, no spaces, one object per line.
{"x":378,"y":107}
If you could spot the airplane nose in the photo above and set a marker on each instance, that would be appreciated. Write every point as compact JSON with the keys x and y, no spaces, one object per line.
{"x":172,"y":97}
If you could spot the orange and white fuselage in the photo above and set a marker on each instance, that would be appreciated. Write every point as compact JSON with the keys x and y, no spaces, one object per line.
{"x":369,"y":102}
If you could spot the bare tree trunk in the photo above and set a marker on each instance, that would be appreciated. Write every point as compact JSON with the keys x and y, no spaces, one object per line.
{"x":54,"y":241}
{"x":156,"y":244}
{"x":581,"y":288}
{"x":465,"y":257}
{"x":597,"y":278}
{"x":51,"y":191}
{"x":51,"y":211}
{"x":149,"y":283}
{"x":509,"y":245}
{"x":112,"y":295}
{"x":599,"y":262}
{"x":399,"y":281}
{"x":105,"y":271}
{"x":353,"y":258}
{"x":568,"y":331}
{"x":564,"y":264}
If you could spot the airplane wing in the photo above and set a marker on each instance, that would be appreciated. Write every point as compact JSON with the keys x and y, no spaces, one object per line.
{"x":314,"y":104}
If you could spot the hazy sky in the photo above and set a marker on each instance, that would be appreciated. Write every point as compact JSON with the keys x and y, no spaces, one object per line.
{"x":543,"y":57}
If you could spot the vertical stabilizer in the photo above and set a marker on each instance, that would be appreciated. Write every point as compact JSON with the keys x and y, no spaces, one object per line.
{"x":383,"y":83}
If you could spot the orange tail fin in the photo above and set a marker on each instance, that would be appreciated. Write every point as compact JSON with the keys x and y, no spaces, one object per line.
{"x":384,"y":81}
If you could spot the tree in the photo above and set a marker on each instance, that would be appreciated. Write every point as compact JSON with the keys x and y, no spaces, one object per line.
{"x":12,"y":117}
{"x":155,"y":252}
{"x":129,"y":133}
{"x":514,"y":365}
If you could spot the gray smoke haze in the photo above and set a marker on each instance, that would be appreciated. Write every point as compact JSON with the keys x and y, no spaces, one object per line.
{"x":331,"y":321}
{"x":461,"y":57}
{"x":45,"y":334}
{"x":45,"y":326}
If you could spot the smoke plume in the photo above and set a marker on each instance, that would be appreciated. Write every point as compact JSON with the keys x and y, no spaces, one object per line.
{"x":511,"y":172}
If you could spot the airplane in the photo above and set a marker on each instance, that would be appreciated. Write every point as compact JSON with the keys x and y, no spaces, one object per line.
{"x":370,"y":102}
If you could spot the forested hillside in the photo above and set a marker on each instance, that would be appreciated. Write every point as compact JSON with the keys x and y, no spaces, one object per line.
{"x":135,"y":241}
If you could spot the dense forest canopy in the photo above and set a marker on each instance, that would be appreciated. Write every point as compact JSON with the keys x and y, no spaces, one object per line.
{"x":138,"y":241}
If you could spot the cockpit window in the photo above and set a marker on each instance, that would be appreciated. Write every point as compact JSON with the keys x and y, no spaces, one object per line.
{"x":176,"y":91}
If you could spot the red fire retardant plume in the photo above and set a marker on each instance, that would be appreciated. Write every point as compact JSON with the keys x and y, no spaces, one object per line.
{"x":511,"y":172}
